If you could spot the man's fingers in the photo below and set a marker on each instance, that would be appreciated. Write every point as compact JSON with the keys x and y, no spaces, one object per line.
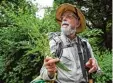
{"x":47,"y":59}
{"x":51,"y":61}
{"x":91,"y":62}
{"x":88,"y":64}
{"x":93,"y":69}
{"x":50,"y":67}
{"x":51,"y":70}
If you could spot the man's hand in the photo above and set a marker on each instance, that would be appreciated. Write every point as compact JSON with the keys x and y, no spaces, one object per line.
{"x":50,"y":65}
{"x":92,"y":65}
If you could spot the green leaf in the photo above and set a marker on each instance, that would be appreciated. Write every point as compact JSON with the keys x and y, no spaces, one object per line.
{"x":62,"y":66}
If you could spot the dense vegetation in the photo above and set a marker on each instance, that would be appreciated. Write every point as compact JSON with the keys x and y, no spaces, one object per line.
{"x":24,"y":44}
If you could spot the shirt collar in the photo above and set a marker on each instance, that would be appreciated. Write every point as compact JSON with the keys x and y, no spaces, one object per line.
{"x":75,"y":40}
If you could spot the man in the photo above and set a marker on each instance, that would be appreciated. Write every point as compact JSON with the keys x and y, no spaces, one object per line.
{"x":72,"y":22}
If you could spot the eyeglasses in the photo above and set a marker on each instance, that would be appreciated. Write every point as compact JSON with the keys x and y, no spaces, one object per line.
{"x":69,"y":16}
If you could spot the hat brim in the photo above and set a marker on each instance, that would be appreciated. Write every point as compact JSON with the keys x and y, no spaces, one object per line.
{"x":68,"y":7}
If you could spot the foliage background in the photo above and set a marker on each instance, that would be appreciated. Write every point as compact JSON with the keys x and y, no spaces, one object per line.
{"x":23,"y":39}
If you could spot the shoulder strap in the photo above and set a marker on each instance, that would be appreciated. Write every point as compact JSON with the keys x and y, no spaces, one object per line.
{"x":86,"y":51}
{"x":59,"y":50}
{"x":82,"y":62}
{"x":86,"y":55}
{"x":59,"y":44}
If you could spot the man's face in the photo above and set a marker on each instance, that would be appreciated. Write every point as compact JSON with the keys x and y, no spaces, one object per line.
{"x":69,"y":22}
{"x":71,"y":18}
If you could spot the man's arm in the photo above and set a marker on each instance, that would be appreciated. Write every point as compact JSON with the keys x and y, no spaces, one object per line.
{"x":49,"y":69}
{"x":92,"y":62}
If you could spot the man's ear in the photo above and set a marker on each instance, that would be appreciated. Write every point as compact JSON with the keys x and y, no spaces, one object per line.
{"x":78,"y":23}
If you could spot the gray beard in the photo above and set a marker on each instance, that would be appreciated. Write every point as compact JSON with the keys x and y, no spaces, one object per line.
{"x":68,"y":30}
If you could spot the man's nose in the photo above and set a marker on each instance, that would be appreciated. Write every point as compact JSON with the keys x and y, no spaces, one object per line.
{"x":64,"y":18}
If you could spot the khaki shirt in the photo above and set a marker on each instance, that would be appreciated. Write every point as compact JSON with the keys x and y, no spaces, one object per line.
{"x":70,"y":59}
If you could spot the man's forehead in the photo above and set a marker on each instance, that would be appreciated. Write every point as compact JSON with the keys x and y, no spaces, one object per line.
{"x":67,"y":12}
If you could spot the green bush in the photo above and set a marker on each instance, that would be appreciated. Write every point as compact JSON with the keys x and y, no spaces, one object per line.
{"x":105,"y":62}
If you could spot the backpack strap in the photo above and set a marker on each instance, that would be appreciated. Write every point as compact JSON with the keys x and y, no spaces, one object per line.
{"x":82,"y":59}
{"x":59,"y":50}
{"x":59,"y":43}
{"x":87,"y":56}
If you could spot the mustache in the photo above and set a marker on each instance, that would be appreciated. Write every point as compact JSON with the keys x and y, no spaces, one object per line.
{"x":65,"y":23}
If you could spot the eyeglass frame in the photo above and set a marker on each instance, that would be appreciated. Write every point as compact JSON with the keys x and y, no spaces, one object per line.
{"x":70,"y":16}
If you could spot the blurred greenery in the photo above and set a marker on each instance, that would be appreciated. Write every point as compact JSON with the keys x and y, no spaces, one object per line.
{"x":24,"y":43}
{"x":104,"y":59}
